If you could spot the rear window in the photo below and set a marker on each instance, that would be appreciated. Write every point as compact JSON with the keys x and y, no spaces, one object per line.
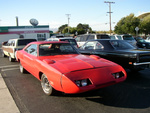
{"x":121,"y":45}
{"x":113,"y":37}
{"x":25,"y":42}
{"x":71,"y":41}
{"x":103,"y":37}
{"x":119,"y":37}
{"x":128,"y":37}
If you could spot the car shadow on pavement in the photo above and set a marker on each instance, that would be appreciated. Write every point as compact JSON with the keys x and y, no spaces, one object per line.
{"x":133,"y":93}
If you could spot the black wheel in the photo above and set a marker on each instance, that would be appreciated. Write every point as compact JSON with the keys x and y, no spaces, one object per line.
{"x":11,"y":59}
{"x":22,"y":70}
{"x":3,"y":54}
{"x":47,"y":88}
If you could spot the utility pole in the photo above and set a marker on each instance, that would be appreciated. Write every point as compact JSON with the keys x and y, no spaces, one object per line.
{"x":109,"y":13}
{"x":68,"y":15}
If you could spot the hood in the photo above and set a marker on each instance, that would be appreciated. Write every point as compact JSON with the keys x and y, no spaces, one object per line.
{"x":68,"y":63}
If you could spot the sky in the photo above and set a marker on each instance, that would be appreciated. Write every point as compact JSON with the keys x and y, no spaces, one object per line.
{"x":54,"y":12}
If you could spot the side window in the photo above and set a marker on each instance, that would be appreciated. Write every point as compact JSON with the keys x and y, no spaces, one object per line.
{"x":99,"y":46}
{"x":13,"y":43}
{"x":89,"y":45}
{"x":83,"y":38}
{"x":91,"y":37}
{"x":112,"y":37}
{"x":9,"y":42}
{"x":41,"y":37}
{"x":32,"y":49}
{"x":77,"y":39}
{"x":119,"y":37}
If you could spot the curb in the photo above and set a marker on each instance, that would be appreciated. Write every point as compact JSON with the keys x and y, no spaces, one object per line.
{"x":7,"y":103}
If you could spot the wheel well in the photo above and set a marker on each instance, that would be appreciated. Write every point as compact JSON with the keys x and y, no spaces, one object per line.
{"x":18,"y":60}
{"x":40,"y":75}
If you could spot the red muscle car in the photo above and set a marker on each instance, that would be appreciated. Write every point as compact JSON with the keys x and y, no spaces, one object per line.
{"x":60,"y":67}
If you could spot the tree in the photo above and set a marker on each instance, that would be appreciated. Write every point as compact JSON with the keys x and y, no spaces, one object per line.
{"x":61,"y":28}
{"x":145,"y":25}
{"x":80,"y":29}
{"x":65,"y":30}
{"x":83,"y":28}
{"x":73,"y":30}
{"x":127,"y":25}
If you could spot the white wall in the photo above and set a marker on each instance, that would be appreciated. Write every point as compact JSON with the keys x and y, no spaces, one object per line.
{"x":6,"y":37}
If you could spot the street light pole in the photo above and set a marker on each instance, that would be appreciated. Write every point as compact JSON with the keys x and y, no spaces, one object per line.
{"x":109,"y":13}
{"x":68,"y":15}
{"x":17,"y":23}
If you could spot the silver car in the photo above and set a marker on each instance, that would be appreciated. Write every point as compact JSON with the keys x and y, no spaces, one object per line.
{"x":129,"y":38}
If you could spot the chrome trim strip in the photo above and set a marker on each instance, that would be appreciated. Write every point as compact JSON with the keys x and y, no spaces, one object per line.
{"x":141,"y":63}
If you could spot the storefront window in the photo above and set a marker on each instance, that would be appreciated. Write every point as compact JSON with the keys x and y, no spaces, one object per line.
{"x":41,"y":37}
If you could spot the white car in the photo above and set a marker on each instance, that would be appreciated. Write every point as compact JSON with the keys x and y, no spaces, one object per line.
{"x":147,"y":39}
{"x":71,"y":40}
{"x":10,"y":47}
{"x":81,"y":39}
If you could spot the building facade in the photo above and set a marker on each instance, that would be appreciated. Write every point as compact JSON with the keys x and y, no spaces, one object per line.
{"x":40,"y":32}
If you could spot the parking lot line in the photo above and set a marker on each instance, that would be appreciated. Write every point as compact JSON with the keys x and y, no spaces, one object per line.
{"x":7,"y":66}
{"x":9,"y":69}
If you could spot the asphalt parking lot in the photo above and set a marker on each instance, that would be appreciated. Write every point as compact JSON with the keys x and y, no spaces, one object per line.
{"x":130,"y":96}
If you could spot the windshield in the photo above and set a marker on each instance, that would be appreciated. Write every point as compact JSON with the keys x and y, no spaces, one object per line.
{"x":56,"y":49}
{"x":25,"y":42}
{"x":121,"y":45}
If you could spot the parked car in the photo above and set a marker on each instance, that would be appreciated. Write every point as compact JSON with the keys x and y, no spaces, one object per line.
{"x":58,"y":36}
{"x":118,"y":51}
{"x":147,"y":39}
{"x":129,"y":38}
{"x":81,"y":39}
{"x":141,"y":43}
{"x":10,"y":47}
{"x":71,"y":40}
{"x":59,"y":66}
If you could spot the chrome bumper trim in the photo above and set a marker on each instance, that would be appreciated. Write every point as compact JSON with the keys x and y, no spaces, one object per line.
{"x":141,"y":63}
